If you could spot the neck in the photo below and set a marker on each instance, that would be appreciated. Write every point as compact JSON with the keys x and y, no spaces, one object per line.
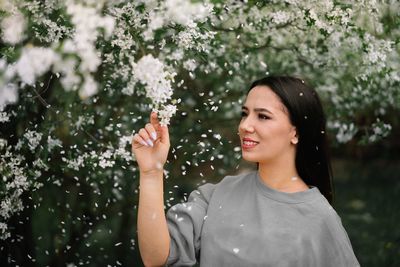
{"x":278,"y":175}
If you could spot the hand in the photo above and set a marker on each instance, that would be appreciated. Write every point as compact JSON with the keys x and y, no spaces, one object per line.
{"x":151,"y":145}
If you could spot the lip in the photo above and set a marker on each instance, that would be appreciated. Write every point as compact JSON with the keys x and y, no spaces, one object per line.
{"x":247,"y":146}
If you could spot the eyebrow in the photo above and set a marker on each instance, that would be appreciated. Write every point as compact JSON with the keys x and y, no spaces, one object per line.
{"x":258,"y":110}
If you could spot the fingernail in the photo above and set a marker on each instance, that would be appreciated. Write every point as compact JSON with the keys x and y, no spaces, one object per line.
{"x":149,"y":142}
{"x":154,"y":135}
{"x":144,"y":143}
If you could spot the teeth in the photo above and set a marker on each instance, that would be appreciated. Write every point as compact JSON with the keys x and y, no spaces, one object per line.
{"x":249,"y":143}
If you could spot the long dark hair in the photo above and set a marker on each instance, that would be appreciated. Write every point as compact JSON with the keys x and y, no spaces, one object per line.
{"x":307,"y":115}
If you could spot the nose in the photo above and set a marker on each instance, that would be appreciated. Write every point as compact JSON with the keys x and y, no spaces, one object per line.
{"x":246,"y":125}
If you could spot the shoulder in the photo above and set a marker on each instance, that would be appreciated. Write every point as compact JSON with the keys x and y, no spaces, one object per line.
{"x":326,"y":224}
{"x":327,"y":214}
{"x":227,"y":184}
{"x":231,"y":180}
{"x":228,"y":180}
{"x":330,"y":228}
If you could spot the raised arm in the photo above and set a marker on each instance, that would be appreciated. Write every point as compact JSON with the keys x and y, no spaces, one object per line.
{"x":152,"y":225}
{"x":150,"y":147}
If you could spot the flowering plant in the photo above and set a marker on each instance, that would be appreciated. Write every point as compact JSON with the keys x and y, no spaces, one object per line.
{"x":77,"y":77}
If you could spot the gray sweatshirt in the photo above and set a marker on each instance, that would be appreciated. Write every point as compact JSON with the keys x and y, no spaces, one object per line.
{"x":242,"y":222}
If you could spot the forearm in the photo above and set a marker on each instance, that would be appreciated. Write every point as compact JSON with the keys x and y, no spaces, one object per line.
{"x":153,"y":232}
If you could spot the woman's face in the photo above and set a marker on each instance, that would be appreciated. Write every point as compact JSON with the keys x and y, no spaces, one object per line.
{"x":265,"y":131}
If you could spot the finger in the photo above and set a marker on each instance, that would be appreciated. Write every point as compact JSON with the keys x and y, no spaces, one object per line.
{"x":151,"y":131}
{"x":139,"y":140}
{"x":143,"y":133}
{"x":164,"y":134}
{"x":154,"y":120}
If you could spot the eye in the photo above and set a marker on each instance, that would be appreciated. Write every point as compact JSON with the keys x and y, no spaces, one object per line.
{"x":260,"y":116}
{"x":263,"y":117}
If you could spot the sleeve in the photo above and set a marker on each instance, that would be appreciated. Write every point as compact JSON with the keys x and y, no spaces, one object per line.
{"x":185,"y":222}
{"x":337,"y":248}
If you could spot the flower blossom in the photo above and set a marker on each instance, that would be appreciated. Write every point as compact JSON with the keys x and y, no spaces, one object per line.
{"x":33,"y":138}
{"x":8,"y":95}
{"x":86,"y":21}
{"x":34,"y":62}
{"x":184,"y":12}
{"x":151,"y":72}
{"x":13,"y":28}
{"x":166,"y":114}
{"x":280,"y":17}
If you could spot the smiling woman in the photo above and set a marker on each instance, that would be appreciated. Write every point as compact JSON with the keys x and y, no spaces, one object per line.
{"x":286,"y":119}
{"x":279,"y":215}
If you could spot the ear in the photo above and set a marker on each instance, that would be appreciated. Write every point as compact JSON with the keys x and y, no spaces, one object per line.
{"x":295,"y":138}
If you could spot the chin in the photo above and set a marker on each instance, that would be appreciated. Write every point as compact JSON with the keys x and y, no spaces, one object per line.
{"x":250,"y":159}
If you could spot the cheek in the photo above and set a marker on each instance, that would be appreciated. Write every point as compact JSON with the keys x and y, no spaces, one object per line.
{"x":273,"y":133}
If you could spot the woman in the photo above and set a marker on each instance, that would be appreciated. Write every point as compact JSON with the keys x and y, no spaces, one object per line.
{"x":279,"y":215}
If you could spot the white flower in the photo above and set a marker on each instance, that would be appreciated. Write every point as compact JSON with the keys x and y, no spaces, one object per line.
{"x":104,"y":159}
{"x":33,"y":138}
{"x":20,"y":181}
{"x":130,"y":88}
{"x":12,"y":28}
{"x":34,"y":61}
{"x":8,"y":95}
{"x":9,"y":5}
{"x":123,"y":153}
{"x":280,"y":17}
{"x":155,"y":21}
{"x":217,"y":136}
{"x":55,"y":31}
{"x":75,"y":163}
{"x":4,"y":117}
{"x":184,"y":11}
{"x":125,"y":140}
{"x":345,"y":131}
{"x":89,"y":87}
{"x":177,"y":55}
{"x":90,"y":59}
{"x":5,"y":208}
{"x":107,"y":154}
{"x":66,"y":67}
{"x":190,"y":64}
{"x":150,"y":71}
{"x":4,"y":234}
{"x":40,"y":164}
{"x":106,"y":163}
{"x":3,"y":143}
{"x":379,"y":130}
{"x":52,"y":143}
{"x":108,"y":24}
{"x":19,"y":144}
{"x":166,"y":113}
{"x":86,"y":21}
{"x":193,"y":38}
{"x":3,"y":64}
